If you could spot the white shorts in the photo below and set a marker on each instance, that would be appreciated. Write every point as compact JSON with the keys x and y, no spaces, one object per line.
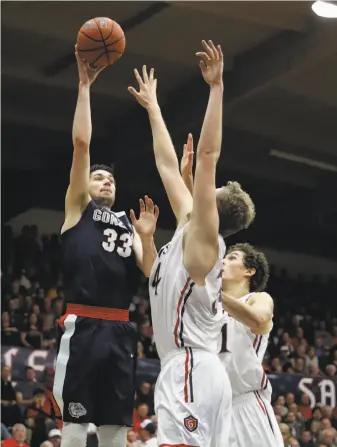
{"x":254,"y":423}
{"x":193,"y":400}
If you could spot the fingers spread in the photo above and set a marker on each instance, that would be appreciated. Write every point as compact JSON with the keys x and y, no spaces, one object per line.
{"x":149,"y":204}
{"x":133,"y":217}
{"x":138,"y":77}
{"x":145,"y":75}
{"x":141,"y":205}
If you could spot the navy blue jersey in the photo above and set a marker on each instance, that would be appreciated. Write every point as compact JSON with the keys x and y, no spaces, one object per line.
{"x":99,"y":263}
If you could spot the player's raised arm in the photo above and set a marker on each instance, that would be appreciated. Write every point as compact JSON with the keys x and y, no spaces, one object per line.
{"x":165,"y":155}
{"x":201,"y":240}
{"x":145,"y":227}
{"x":256,"y":313}
{"x":77,"y":196}
{"x":186,"y":164}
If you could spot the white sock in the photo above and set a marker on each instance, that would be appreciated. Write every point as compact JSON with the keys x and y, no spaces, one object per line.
{"x":112,"y":436}
{"x":74,"y":435}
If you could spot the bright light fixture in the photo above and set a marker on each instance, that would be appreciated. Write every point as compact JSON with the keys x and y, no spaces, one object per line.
{"x":325,"y":9}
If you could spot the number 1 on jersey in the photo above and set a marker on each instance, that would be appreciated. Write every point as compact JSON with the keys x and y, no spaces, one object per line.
{"x":224,"y":339}
{"x":156,"y":279}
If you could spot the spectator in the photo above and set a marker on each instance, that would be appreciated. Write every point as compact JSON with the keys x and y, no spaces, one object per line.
{"x":37,"y":419}
{"x":306,"y":439}
{"x":140,"y":413}
{"x":292,"y":442}
{"x":145,"y":395}
{"x":131,"y":438}
{"x":147,"y":435}
{"x":19,"y":437}
{"x":54,"y":436}
{"x":31,"y":337}
{"x":329,"y":437}
{"x":46,"y":444}
{"x":25,"y":390}
{"x":10,"y":411}
{"x":10,"y":335}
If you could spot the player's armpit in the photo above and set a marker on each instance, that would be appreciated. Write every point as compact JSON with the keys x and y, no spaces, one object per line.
{"x":145,"y":253}
{"x":256,"y":313}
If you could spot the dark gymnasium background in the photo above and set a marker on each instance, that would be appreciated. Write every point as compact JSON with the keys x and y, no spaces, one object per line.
{"x":279,"y":142}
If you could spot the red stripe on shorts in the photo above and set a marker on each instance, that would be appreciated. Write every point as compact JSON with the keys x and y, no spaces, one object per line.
{"x":260,"y":402}
{"x":178,"y":311}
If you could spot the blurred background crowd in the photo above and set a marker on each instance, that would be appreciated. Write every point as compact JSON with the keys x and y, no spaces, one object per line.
{"x":303,"y":342}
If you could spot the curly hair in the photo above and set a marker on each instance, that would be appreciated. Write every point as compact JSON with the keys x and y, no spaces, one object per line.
{"x":254,"y":259}
{"x":236,"y":208}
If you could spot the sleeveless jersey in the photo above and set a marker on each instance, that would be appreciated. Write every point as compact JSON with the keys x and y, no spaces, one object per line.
{"x":99,"y":262}
{"x":183,"y":313}
{"x":242,"y":354}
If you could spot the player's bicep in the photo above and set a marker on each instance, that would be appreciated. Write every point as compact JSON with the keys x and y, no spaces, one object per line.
{"x":201,"y":238}
{"x":77,"y":196}
{"x":263,"y":306}
{"x":179,"y":196}
{"x":205,"y":213}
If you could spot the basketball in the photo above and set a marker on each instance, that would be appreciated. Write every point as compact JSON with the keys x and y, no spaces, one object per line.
{"x":100,"y":41}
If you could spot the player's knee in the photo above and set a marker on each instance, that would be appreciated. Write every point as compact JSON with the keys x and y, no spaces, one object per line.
{"x":112,"y":436}
{"x":74,"y":435}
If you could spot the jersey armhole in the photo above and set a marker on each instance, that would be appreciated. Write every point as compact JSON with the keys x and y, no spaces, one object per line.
{"x":213,"y":275}
{"x":91,"y":204}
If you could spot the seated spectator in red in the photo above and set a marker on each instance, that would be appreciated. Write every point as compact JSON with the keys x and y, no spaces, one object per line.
{"x":140,"y":413}
{"x":19,"y":437}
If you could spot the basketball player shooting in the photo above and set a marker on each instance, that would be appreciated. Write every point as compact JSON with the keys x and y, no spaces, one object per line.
{"x":193,"y":395}
{"x":95,"y":367}
{"x":245,"y":336}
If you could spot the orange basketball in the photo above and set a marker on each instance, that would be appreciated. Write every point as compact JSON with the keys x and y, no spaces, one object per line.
{"x":100,"y":41}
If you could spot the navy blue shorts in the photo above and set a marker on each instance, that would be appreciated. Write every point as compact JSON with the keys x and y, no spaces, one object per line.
{"x":95,"y":371}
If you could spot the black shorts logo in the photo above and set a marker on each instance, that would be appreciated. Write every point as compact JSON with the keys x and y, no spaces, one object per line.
{"x":191,"y":423}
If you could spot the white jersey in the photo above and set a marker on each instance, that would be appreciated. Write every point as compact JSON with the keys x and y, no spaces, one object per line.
{"x":242,"y":354}
{"x":183,"y":313}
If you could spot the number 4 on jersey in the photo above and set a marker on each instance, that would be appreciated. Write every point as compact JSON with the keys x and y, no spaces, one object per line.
{"x":156,"y":279}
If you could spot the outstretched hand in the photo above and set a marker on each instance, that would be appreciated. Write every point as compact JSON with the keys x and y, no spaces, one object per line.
{"x":186,"y":163}
{"x":145,"y":225}
{"x":86,"y":73}
{"x":211,"y":63}
{"x":146,"y":96}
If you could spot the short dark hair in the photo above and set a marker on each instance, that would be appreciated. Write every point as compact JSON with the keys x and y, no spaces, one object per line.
{"x":254,"y":259}
{"x":236,"y":209}
{"x":102,"y":167}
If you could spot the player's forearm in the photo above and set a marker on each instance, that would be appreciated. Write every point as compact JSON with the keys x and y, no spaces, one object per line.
{"x":82,"y":127}
{"x":211,"y":132}
{"x":149,"y":254}
{"x":246,"y":314}
{"x":164,"y":152}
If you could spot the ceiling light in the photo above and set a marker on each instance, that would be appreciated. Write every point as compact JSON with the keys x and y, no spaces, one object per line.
{"x":325,"y":9}
{"x":303,"y":160}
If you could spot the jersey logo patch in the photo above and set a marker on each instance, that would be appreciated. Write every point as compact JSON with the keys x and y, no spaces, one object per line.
{"x":76,"y":410}
{"x":191,"y":423}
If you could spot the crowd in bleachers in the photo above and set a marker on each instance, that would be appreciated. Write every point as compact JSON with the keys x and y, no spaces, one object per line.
{"x":303,"y":341}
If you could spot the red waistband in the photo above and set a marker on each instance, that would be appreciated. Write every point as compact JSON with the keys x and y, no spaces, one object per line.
{"x":102,"y":313}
